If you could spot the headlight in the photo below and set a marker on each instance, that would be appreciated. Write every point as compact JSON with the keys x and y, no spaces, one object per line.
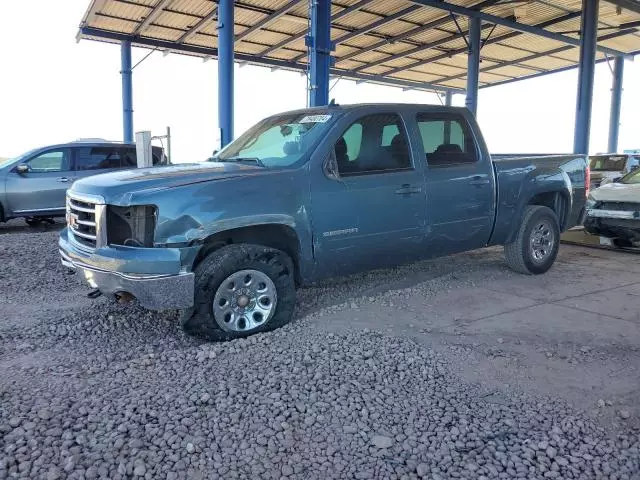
{"x":131,"y":226}
{"x":591,"y":202}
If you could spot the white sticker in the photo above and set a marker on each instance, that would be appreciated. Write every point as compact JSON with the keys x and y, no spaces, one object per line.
{"x":316,"y":119}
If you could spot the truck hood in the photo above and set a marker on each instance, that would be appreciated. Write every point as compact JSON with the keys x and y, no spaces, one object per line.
{"x":617,"y":192}
{"x":116,"y":185}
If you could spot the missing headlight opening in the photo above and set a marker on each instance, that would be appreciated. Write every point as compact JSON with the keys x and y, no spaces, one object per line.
{"x":131,"y":226}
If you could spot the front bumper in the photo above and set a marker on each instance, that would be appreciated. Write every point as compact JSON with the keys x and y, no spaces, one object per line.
{"x":160,"y":281}
{"x":618,"y":228}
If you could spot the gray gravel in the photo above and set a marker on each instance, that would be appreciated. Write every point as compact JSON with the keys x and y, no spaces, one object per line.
{"x":97,"y":390}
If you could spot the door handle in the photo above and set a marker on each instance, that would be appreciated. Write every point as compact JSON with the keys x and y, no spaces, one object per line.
{"x":62,"y":179}
{"x":478,"y":180}
{"x":407,"y":189}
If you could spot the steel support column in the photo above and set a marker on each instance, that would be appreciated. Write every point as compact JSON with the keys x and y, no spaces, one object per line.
{"x":319,"y":43}
{"x":588,"y":41}
{"x":473,"y":64}
{"x":225,"y":71}
{"x":448,"y":99}
{"x":616,"y":104}
{"x":127,"y":91}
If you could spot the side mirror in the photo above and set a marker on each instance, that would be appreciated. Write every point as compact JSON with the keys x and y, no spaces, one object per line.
{"x":22,"y":168}
{"x":331,"y":167}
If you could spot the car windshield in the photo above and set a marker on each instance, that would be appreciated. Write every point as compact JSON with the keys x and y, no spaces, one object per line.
{"x":633,"y":177}
{"x":9,"y":161}
{"x":608,"y":163}
{"x":277,"y":142}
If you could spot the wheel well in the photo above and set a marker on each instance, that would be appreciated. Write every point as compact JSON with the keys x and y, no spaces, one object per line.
{"x":1,"y":213}
{"x":557,"y":202}
{"x":280,"y":237}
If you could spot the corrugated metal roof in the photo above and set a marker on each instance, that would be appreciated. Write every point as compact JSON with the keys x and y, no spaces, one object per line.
{"x":386,"y":39}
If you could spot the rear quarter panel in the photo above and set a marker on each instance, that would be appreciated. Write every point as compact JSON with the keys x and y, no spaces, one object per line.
{"x":521,"y":179}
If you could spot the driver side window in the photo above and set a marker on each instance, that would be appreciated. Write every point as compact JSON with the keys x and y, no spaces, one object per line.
{"x":51,"y":161}
{"x":373,"y":144}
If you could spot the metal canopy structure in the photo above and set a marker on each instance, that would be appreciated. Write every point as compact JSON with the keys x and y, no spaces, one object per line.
{"x":455,"y":46}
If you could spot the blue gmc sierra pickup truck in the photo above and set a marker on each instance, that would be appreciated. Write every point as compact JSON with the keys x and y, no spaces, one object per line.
{"x":310,"y":194}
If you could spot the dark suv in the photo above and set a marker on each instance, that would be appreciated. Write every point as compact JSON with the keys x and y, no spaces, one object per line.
{"x":33,"y":185}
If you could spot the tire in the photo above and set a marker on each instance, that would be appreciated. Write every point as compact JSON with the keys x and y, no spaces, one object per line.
{"x":621,"y":243}
{"x":529,"y":253}
{"x":213,"y":319}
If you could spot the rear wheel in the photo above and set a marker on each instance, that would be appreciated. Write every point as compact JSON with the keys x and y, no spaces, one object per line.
{"x":241,"y":290}
{"x":536,"y":245}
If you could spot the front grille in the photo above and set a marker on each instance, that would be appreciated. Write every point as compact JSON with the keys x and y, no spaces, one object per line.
{"x":83,"y":221}
{"x":619,"y":206}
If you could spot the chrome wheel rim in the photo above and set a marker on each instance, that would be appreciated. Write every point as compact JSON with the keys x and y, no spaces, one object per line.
{"x":244,"y":301}
{"x":542,"y":241}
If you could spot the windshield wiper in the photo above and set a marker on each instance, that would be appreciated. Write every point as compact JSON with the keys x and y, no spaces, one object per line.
{"x":255,"y":160}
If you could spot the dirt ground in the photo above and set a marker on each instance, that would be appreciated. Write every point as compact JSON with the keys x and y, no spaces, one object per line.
{"x":573,"y":333}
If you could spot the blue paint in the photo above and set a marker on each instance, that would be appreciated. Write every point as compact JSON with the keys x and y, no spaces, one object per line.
{"x":473,"y":64}
{"x":319,"y":42}
{"x":616,"y":104}
{"x":225,"y":71}
{"x":588,"y":40}
{"x":337,"y":224}
{"x":127,"y":91}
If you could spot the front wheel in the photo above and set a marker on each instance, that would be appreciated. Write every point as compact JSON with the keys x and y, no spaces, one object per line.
{"x":241,"y":290}
{"x":536,"y":245}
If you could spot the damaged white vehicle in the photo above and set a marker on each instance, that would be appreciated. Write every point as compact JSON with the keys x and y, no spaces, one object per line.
{"x":613,"y":211}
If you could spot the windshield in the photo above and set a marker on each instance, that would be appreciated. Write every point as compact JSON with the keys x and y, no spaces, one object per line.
{"x":608,"y":162}
{"x":9,"y":161}
{"x":633,"y":177}
{"x":277,"y":142}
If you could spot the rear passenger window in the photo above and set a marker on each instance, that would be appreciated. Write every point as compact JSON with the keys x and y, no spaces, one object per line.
{"x":373,"y":144}
{"x":446,"y":140}
{"x":98,"y":158}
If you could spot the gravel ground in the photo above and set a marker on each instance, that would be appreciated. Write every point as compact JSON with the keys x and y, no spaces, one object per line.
{"x":98,"y":390}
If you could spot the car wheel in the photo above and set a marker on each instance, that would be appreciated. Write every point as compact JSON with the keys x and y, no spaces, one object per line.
{"x":241,"y":290}
{"x":536,"y":245}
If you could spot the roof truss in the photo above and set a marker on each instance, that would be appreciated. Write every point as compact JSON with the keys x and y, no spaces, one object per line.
{"x":368,"y":51}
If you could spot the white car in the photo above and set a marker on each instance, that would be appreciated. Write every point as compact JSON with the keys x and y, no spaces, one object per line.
{"x":613,"y":211}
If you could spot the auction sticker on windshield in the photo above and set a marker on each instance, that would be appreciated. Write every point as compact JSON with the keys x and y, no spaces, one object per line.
{"x":316,"y":119}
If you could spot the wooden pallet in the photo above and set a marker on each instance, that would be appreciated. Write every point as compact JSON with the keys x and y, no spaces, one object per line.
{"x":579,"y":236}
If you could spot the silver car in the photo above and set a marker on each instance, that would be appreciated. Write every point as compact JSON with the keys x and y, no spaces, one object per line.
{"x":33,"y":185}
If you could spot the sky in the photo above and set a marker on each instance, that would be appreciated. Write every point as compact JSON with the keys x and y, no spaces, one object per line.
{"x":54,"y":90}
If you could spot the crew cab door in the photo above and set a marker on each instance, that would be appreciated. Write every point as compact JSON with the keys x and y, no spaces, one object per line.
{"x":371,"y":211}
{"x":41,"y":189}
{"x":460,"y":184}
